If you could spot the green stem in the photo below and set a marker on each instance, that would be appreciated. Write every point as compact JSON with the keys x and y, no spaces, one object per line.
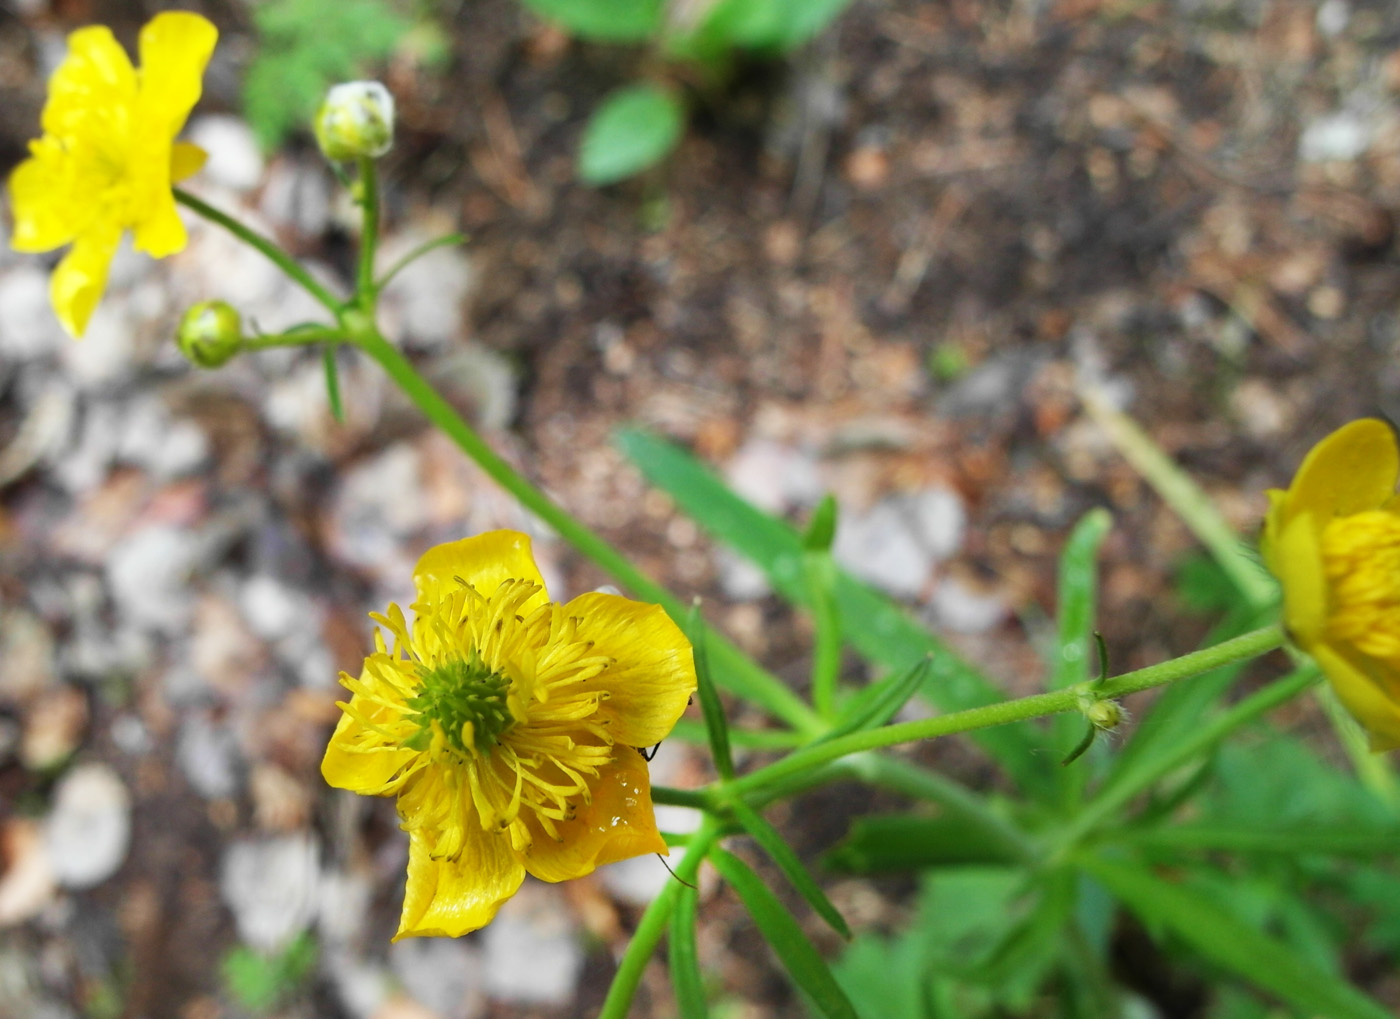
{"x":369,"y":235}
{"x":297,"y":338}
{"x":268,"y":248}
{"x":1116,"y":796}
{"x":687,"y":731}
{"x":417,"y":253}
{"x":700,"y":799}
{"x":1250,"y":645}
{"x":732,"y":667}
{"x":653,"y":924}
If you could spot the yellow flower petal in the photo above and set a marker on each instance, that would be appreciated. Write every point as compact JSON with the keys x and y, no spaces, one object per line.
{"x":93,"y":90}
{"x":653,"y":675}
{"x":448,"y":898}
{"x":186,"y":160}
{"x":79,"y":280}
{"x":1369,"y":704}
{"x":1298,"y":566}
{"x":617,"y":825}
{"x":358,"y":758}
{"x":160,"y":232}
{"x":47,"y":213}
{"x":1353,"y":469}
{"x":484,"y":561}
{"x":175,"y":48}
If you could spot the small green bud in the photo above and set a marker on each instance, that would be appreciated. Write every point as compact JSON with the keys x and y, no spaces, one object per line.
{"x":355,"y":119}
{"x":1106,"y":715}
{"x":210,"y":334}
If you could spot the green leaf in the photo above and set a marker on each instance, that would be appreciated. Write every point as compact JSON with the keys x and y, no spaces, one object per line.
{"x":876,"y":626}
{"x":876,"y":704}
{"x":798,"y":955}
{"x":821,"y":529}
{"x":778,"y":25}
{"x":894,"y":843}
{"x":1231,"y":944}
{"x":259,"y":982}
{"x":333,"y":383}
{"x":634,"y":128}
{"x":1280,"y":841}
{"x":610,"y":20}
{"x":684,"y":960}
{"x":782,"y":854}
{"x":715,"y":725}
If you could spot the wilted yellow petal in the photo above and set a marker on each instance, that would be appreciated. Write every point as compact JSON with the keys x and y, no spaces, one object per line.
{"x":1377,"y":711}
{"x":484,"y":561}
{"x":81,"y":276}
{"x":448,"y":898}
{"x":617,"y":825}
{"x":1353,"y":469}
{"x":653,"y":672}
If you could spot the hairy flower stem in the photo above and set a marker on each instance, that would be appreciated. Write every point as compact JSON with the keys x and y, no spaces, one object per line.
{"x":654,"y":921}
{"x":1251,"y":645}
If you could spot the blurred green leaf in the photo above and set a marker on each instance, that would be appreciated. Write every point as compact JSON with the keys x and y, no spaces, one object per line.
{"x":894,"y":843}
{"x":258,"y":982}
{"x":716,"y":728}
{"x":783,"y":855}
{"x":877,"y":627}
{"x":684,"y":961}
{"x":1274,"y":840}
{"x":877,"y":703}
{"x":801,"y":959}
{"x":610,"y":20}
{"x":304,"y":47}
{"x":1230,"y":943}
{"x":633,"y":129}
{"x":777,"y":25}
{"x":821,"y":529}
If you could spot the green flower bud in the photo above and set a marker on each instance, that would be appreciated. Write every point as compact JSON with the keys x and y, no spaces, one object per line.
{"x":356,"y":119}
{"x":210,"y":334}
{"x":1106,"y":715}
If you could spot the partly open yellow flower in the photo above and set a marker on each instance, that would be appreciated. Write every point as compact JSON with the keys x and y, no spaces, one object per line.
{"x":1333,"y":541}
{"x":108,"y":155}
{"x":506,"y":725}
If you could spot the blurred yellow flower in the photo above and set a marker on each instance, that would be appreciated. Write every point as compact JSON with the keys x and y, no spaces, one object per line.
{"x":1333,"y":541}
{"x":108,"y":155}
{"x":506,"y":726}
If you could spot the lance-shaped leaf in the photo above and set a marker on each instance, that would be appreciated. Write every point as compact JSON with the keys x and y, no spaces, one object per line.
{"x":877,"y":703}
{"x":782,"y":854}
{"x":684,"y":960}
{"x":798,"y":955}
{"x":715,"y":725}
{"x":900,"y":843}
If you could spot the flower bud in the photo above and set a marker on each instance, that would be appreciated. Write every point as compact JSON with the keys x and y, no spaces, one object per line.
{"x":210,"y":334}
{"x":1105,"y":715}
{"x":356,"y":119}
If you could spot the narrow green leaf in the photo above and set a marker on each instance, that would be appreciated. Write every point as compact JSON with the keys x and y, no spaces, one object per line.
{"x":821,"y":529}
{"x":878,"y":628}
{"x":1077,"y":598}
{"x":687,"y":731}
{"x":333,"y":382}
{"x":610,"y":20}
{"x":1233,"y":945}
{"x":800,"y":957}
{"x":684,"y":960}
{"x":900,"y":843}
{"x":782,"y":854}
{"x":820,"y":572}
{"x":715,"y":725}
{"x":877,"y":703}
{"x":776,"y":25}
{"x":634,"y":128}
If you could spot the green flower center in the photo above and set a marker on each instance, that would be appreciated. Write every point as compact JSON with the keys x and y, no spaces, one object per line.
{"x":466,"y":699}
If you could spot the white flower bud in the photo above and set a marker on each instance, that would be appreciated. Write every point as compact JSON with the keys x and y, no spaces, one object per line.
{"x":356,"y":119}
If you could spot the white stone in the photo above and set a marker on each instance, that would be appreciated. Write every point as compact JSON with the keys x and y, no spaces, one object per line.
{"x":1338,"y":136}
{"x":106,"y":355}
{"x":959,"y":608}
{"x":939,"y":519}
{"x":28,"y":327}
{"x":424,"y":304}
{"x":1333,"y":16}
{"x":297,"y":196}
{"x":166,"y":446}
{"x":271,"y":885}
{"x":272,"y":609}
{"x":89,"y":830}
{"x":343,"y":907}
{"x":881,"y":546}
{"x":209,"y":757}
{"x":739,"y":579}
{"x":149,"y":574}
{"x":235,"y":160}
{"x":773,"y":476}
{"x":444,"y":974}
{"x":532,"y":956}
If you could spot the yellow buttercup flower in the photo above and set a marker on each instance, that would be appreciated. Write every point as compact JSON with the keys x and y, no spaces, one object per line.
{"x":108,"y":156}
{"x":506,"y":725}
{"x":1333,"y":541}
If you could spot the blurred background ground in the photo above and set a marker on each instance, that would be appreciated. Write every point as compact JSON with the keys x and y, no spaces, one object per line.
{"x":876,"y":269}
